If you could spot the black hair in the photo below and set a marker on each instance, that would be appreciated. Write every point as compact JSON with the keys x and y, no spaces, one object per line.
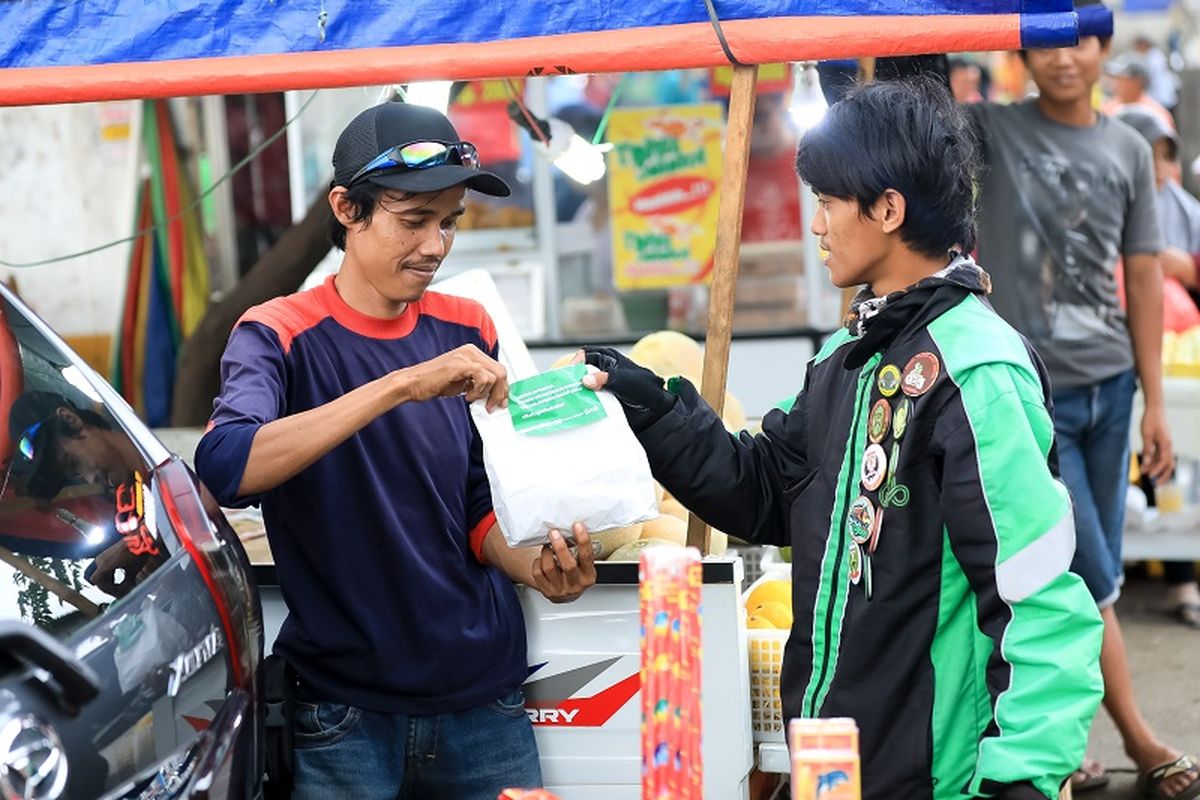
{"x":906,"y":135}
{"x":93,"y":419}
{"x":88,"y":417}
{"x":363,"y":198}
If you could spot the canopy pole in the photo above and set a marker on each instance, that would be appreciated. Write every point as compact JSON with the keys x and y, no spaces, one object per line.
{"x":726,"y":258}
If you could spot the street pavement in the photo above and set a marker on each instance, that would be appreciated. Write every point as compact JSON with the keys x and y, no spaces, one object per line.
{"x":1164,"y":658}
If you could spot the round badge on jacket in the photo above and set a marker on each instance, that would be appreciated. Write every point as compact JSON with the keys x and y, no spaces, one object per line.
{"x":861,"y":518}
{"x":856,"y":563}
{"x":889,"y":380}
{"x":879,"y":421}
{"x":901,"y":417}
{"x":919,"y":374}
{"x":875,"y":530}
{"x":874,"y":467}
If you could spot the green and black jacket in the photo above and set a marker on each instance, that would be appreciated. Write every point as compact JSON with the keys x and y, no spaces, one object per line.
{"x":962,"y":644}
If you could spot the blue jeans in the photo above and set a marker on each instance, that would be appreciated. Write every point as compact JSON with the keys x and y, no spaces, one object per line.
{"x":348,"y":752}
{"x":1091,"y":424}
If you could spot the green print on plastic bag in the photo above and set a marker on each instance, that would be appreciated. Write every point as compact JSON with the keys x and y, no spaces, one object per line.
{"x":553,"y":401}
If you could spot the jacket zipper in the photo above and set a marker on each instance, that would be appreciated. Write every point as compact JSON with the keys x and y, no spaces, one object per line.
{"x":864,"y":380}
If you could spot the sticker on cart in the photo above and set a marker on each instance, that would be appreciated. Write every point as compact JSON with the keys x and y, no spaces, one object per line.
{"x":588,"y":695}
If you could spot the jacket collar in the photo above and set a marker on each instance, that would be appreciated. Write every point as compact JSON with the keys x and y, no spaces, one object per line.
{"x":878,"y":321}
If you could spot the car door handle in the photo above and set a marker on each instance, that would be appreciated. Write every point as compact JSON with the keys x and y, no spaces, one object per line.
{"x":75,"y":683}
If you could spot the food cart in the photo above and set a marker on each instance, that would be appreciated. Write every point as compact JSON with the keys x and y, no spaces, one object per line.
{"x":583,"y":685}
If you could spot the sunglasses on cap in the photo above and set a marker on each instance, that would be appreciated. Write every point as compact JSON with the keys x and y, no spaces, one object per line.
{"x":25,"y":443}
{"x":420,"y":155}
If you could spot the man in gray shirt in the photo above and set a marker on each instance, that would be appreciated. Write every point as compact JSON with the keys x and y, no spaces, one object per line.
{"x":1061,"y":205}
{"x":1068,"y":194}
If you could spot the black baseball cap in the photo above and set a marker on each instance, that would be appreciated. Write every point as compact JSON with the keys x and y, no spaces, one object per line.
{"x":33,"y":425}
{"x":388,"y":125}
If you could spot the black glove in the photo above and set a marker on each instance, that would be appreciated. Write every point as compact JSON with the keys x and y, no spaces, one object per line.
{"x":640,"y":391}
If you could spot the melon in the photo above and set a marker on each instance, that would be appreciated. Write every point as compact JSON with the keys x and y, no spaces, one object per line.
{"x":633,"y":550}
{"x":670,"y":353}
{"x":666,"y":527}
{"x":609,"y":541}
{"x":673,"y":508}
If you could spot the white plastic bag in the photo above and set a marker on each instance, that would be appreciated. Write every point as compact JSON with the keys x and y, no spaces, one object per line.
{"x":560,"y":454}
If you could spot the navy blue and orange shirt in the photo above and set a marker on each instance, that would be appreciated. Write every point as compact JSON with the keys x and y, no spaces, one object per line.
{"x":376,"y":545}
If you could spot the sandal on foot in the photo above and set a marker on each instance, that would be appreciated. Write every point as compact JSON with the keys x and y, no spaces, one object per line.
{"x":1150,"y":783}
{"x":1089,"y":777}
{"x":1187,"y":614}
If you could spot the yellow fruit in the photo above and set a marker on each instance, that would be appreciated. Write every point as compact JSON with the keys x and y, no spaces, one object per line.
{"x":633,"y":550}
{"x":666,"y":527}
{"x":669,"y":353}
{"x":776,"y":591}
{"x":614,"y":539}
{"x":779,"y":614}
{"x":673,"y":508}
{"x":760,"y":623}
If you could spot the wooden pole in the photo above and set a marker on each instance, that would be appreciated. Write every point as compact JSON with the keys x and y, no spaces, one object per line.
{"x":726,"y":258}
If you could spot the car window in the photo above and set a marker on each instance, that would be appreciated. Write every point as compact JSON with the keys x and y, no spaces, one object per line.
{"x":75,"y":509}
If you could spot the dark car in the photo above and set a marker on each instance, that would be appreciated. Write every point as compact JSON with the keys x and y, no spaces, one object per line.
{"x":130,"y":628}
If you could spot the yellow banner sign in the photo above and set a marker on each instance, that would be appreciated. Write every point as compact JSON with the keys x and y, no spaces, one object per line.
{"x":771,"y":78}
{"x":663,"y":176}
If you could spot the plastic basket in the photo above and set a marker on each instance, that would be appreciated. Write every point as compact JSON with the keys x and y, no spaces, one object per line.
{"x":765,"y":649}
{"x":756,"y":559}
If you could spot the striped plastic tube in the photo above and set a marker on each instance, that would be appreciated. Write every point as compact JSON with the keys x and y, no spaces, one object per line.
{"x":669,"y":591}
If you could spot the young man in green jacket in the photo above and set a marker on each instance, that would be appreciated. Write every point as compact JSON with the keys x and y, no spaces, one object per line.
{"x":914,"y":478}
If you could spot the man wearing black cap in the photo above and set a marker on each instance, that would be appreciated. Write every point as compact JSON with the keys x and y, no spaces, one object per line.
{"x":64,"y":443}
{"x":34,"y":423}
{"x":343,"y":411}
